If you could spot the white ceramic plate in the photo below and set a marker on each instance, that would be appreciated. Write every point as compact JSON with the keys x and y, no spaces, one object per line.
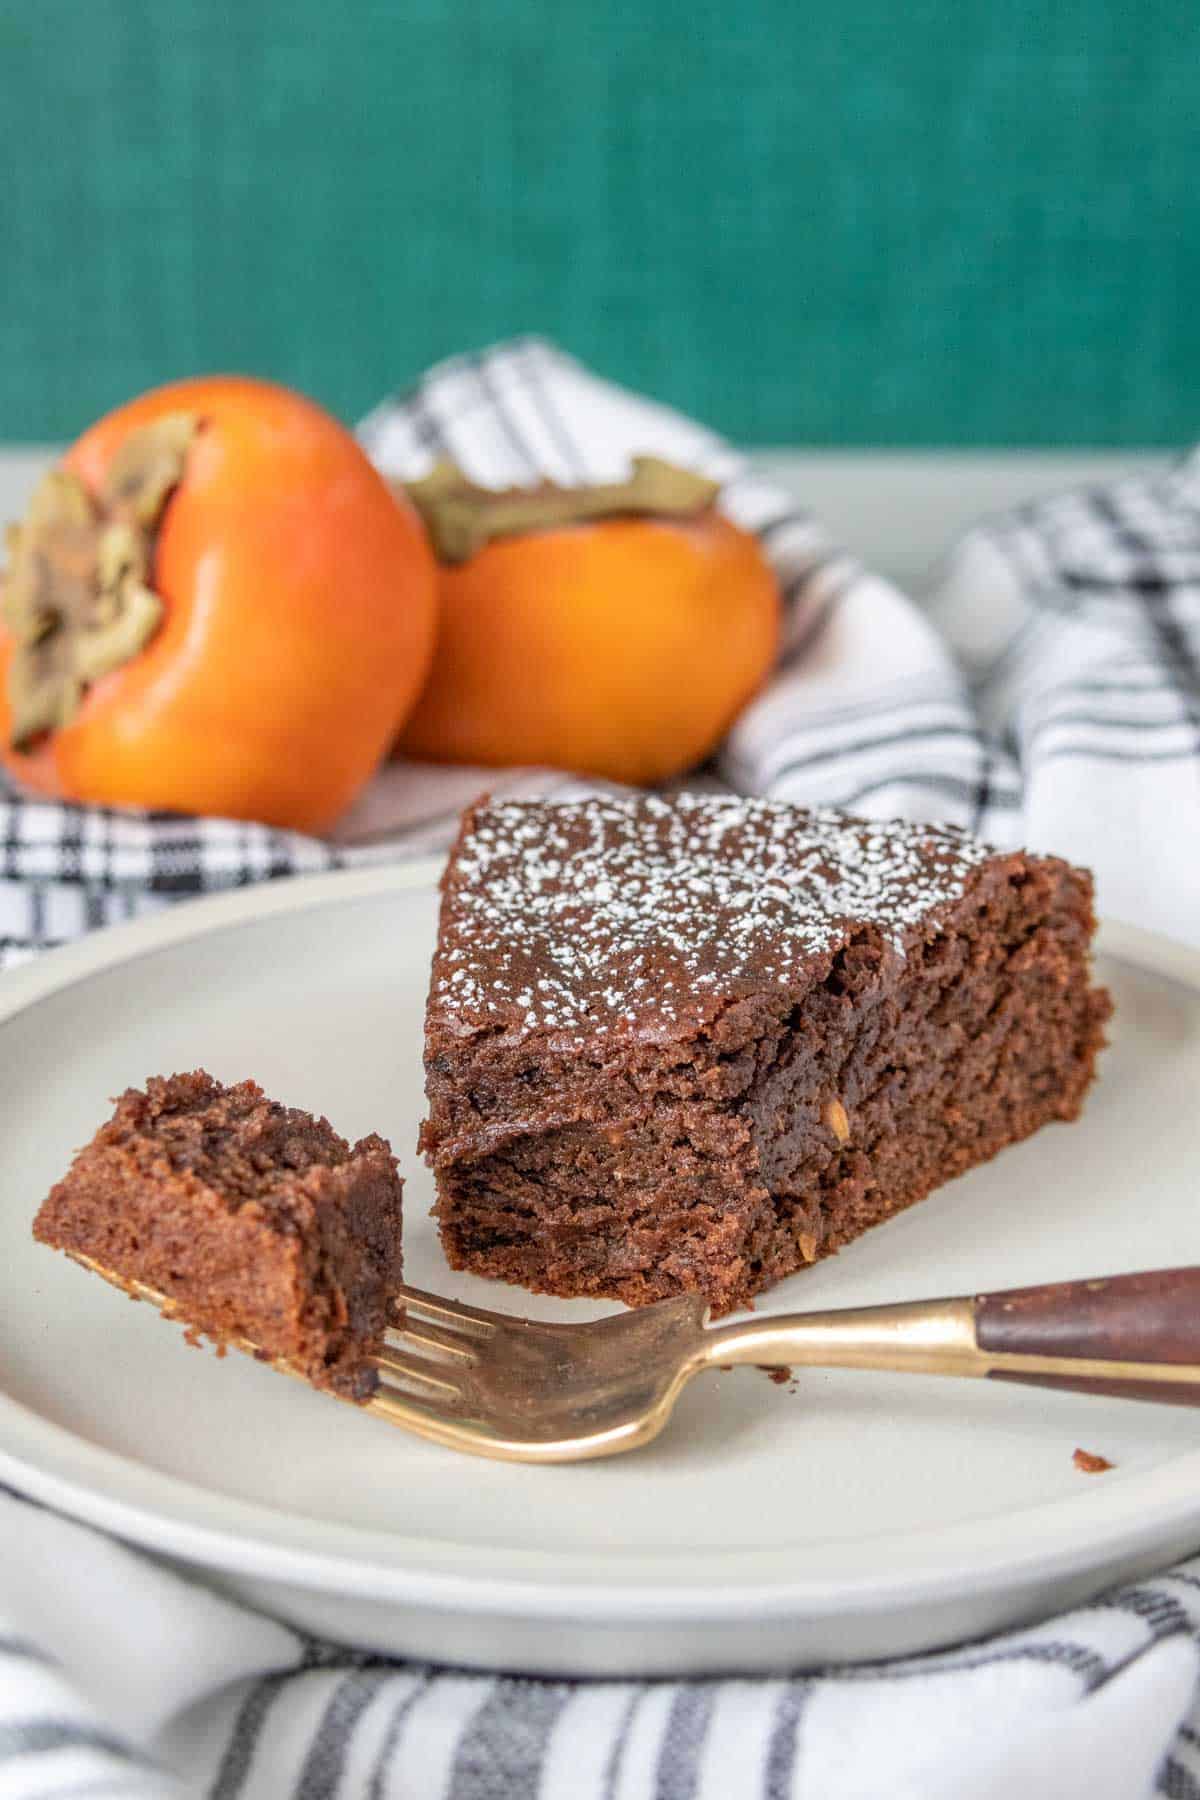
{"x":857,"y":1516}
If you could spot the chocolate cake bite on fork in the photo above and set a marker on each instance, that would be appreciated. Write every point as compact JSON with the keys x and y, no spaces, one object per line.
{"x":699,"y":1043}
{"x":255,"y":1221}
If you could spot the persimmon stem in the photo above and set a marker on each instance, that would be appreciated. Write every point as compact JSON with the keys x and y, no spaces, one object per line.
{"x":462,"y":518}
{"x":76,"y":595}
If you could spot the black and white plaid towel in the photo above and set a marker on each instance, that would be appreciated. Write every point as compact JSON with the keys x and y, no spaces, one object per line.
{"x":1050,"y":695}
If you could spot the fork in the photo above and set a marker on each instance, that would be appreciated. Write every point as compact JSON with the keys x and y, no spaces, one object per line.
{"x":523,"y":1390}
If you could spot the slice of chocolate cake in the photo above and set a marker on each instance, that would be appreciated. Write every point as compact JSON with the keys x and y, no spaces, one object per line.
{"x":698,"y":1044}
{"x":257,"y":1221}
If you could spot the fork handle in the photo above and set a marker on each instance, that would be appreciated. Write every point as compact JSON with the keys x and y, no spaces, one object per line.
{"x":1137,"y":1336}
{"x":1132,"y":1321}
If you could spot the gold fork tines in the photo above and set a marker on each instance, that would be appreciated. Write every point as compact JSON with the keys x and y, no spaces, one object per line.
{"x":526,"y":1390}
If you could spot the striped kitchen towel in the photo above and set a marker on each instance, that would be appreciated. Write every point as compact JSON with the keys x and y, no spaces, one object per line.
{"x":1050,"y":695}
{"x":119,"y":1678}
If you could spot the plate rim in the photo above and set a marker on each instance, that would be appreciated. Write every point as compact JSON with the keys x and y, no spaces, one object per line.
{"x":1133,"y":1515}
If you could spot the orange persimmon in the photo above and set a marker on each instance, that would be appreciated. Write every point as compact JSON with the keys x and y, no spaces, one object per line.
{"x":290,"y":609}
{"x":620,"y":647}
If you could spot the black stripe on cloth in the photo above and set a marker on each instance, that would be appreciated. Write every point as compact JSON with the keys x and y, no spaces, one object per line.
{"x":888,"y":740}
{"x":1103,"y":753}
{"x":426,"y":423}
{"x":1175,"y":1782}
{"x":950,"y":787}
{"x":243,"y":1739}
{"x":391,"y":1737}
{"x":33,"y":844}
{"x":503,"y":1747}
{"x":458,"y":378}
{"x":447,"y":372}
{"x":886,"y":700}
{"x":493,"y":397}
{"x":816,"y":627}
{"x":1144,"y":684}
{"x":744,"y":772}
{"x":782,"y":1744}
{"x":202,"y":862}
{"x":677,"y":1775}
{"x":817,"y":561}
{"x":12,"y":811}
{"x":25,"y":1650}
{"x":106,"y":846}
{"x":1104,"y":722}
{"x":1136,"y":582}
{"x":1163,"y":1613}
{"x":70,"y":844}
{"x":37,"y":917}
{"x":1156,"y":591}
{"x":413,"y":404}
{"x":1183,"y":1756}
{"x":1081,"y":1659}
{"x":244,"y":875}
{"x":983,"y":789}
{"x":424,"y":428}
{"x":616,"y":1755}
{"x":40,"y":1735}
{"x":279,"y":857}
{"x":177,"y":865}
{"x":529,"y":350}
{"x":786,"y":521}
{"x":326,"y":1760}
{"x":1181,"y":659}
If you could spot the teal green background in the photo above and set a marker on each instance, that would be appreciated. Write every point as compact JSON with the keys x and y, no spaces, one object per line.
{"x":859,"y":222}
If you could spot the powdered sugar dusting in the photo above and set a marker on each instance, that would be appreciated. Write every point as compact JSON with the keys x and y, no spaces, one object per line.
{"x":582,"y":917}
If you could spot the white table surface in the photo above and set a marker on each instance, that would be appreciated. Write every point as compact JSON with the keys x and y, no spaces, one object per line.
{"x":898,"y":508}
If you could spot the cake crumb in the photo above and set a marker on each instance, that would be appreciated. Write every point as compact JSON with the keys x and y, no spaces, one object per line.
{"x":1091,"y":1464}
{"x":783,"y":1377}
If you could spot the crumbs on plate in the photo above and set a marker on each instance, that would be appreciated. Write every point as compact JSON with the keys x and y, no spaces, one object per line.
{"x":1091,"y":1464}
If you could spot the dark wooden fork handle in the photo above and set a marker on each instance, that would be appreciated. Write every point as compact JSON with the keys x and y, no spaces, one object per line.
{"x":1151,"y":1318}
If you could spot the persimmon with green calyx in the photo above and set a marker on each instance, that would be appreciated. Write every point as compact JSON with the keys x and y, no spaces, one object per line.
{"x":215,"y":605}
